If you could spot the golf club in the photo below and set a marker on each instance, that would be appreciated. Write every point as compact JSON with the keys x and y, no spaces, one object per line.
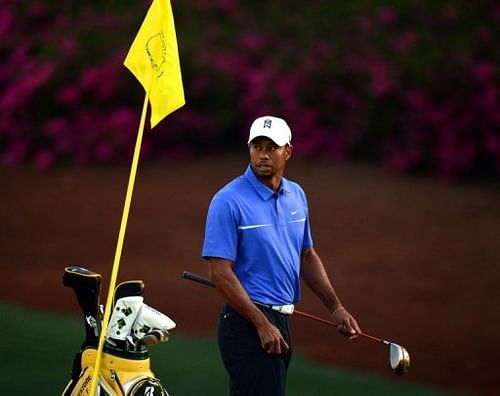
{"x":154,"y":337}
{"x":398,"y":356}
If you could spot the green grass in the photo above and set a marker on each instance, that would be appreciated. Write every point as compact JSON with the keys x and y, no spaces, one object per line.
{"x":37,"y":350}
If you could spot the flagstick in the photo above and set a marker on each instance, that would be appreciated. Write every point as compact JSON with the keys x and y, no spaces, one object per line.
{"x":119,"y":246}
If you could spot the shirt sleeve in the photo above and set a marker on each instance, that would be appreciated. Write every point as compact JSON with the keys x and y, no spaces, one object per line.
{"x":307,"y":241}
{"x":221,"y":231}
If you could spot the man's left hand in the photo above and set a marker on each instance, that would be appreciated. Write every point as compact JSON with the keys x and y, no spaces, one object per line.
{"x":347,"y":325}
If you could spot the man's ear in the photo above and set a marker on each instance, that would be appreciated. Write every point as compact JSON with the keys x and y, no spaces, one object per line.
{"x":288,"y":152}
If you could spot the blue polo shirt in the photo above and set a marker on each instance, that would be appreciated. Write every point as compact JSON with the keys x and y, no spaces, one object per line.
{"x":263,"y":232}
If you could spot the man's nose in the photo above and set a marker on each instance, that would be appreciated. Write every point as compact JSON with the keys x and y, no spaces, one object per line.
{"x":265,"y":153}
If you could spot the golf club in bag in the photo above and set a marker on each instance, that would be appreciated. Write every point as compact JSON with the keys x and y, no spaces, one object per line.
{"x":133,"y":328}
{"x":399,"y":357}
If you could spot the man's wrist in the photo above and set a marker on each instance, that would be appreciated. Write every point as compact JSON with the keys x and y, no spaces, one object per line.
{"x":339,"y":308}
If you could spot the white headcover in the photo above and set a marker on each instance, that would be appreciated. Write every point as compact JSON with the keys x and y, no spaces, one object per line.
{"x":123,"y":317}
{"x":150,"y":319}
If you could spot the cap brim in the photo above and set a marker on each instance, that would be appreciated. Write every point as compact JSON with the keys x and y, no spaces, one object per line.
{"x":274,"y":139}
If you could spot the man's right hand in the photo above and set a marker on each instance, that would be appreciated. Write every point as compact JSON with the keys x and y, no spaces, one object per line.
{"x":271,"y":339}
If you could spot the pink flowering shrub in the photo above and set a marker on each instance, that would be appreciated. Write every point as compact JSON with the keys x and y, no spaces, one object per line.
{"x":65,"y":96}
{"x":413,"y":85}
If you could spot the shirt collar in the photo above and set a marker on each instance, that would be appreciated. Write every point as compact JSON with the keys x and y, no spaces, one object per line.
{"x":264,"y":191}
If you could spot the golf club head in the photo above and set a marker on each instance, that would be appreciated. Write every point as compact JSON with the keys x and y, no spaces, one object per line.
{"x":87,"y":287}
{"x":400,"y":359}
{"x":154,"y":337}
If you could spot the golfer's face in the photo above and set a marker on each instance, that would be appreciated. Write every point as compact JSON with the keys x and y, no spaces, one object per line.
{"x":267,"y":158}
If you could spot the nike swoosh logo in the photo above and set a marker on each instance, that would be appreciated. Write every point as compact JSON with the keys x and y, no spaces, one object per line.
{"x":294,"y":212}
{"x":249,"y":227}
{"x":298,"y":221}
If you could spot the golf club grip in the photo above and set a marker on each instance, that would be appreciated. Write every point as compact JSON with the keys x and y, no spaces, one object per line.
{"x":197,"y":278}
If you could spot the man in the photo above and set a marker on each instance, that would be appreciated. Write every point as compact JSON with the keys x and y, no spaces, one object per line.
{"x":258,"y":244}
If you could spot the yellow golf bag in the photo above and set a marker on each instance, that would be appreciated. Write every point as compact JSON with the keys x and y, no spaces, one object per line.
{"x":133,"y":327}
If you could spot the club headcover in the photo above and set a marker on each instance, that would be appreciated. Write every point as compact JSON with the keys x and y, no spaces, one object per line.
{"x":123,"y":317}
{"x":150,"y":319}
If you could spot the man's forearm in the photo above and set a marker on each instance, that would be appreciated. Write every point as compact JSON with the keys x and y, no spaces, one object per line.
{"x":314,"y":274}
{"x":232,"y":291}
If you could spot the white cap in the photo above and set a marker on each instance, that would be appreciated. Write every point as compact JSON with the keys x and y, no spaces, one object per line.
{"x":274,"y":128}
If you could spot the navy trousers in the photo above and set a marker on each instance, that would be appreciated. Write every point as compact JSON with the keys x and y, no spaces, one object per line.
{"x":252,"y":371}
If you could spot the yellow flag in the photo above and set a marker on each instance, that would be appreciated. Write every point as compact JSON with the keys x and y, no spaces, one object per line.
{"x":153,"y":59}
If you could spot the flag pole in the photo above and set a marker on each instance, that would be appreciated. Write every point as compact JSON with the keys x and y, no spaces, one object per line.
{"x":119,"y":247}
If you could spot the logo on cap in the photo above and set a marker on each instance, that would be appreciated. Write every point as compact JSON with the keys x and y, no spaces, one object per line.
{"x":267,"y":123}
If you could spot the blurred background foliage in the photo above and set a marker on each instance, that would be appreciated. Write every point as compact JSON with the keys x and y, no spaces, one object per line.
{"x":410,"y":84}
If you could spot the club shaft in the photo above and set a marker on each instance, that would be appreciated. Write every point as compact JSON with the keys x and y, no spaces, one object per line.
{"x":207,"y":282}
